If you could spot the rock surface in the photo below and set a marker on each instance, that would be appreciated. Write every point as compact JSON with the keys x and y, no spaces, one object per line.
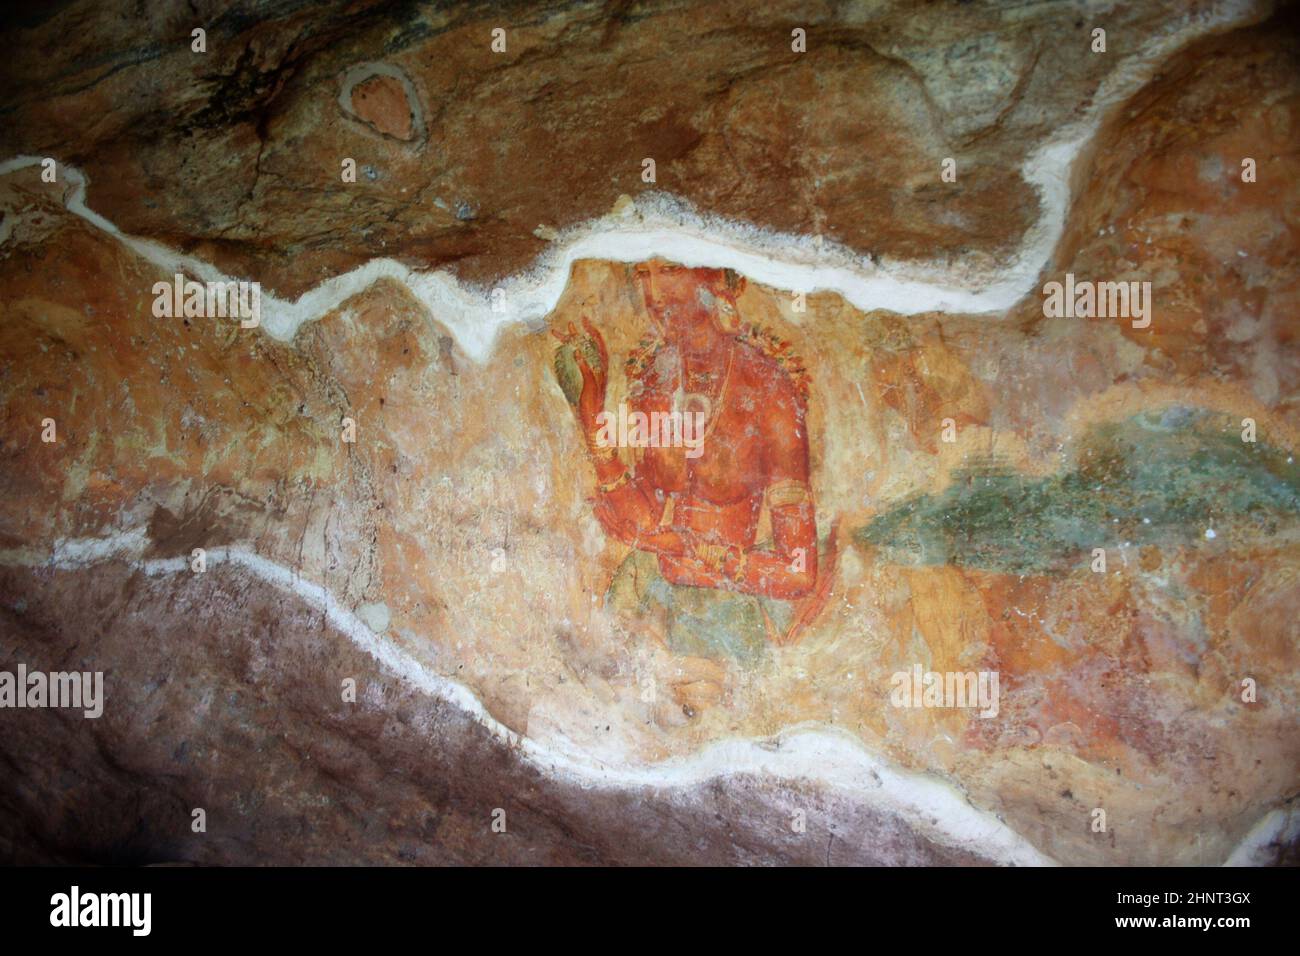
{"x":448,"y":560}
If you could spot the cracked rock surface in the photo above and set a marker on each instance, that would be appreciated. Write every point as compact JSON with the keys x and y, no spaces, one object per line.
{"x":448,"y":562}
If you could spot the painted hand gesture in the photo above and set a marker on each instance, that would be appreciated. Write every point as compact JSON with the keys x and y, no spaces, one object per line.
{"x":592,"y":360}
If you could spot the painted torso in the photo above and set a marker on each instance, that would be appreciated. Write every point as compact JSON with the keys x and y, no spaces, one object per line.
{"x":719,"y":493}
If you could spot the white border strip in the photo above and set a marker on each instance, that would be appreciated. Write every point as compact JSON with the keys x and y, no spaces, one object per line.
{"x":825,"y":756}
{"x":665,"y":226}
{"x":822,"y":755}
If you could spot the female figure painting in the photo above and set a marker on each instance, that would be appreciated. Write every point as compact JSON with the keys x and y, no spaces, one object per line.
{"x":691,"y":509}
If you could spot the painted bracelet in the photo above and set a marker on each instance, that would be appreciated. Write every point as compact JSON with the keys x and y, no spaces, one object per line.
{"x":738,"y":572}
{"x":606,"y":487}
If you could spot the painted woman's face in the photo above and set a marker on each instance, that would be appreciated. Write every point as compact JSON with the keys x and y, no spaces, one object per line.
{"x":679,"y":299}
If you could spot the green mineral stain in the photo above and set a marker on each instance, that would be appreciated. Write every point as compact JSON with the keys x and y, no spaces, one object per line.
{"x":1161,"y":477}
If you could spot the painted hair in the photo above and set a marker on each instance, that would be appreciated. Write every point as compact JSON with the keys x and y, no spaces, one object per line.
{"x":718,"y":290}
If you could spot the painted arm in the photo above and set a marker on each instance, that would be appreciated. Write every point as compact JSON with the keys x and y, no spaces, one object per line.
{"x":625,"y":509}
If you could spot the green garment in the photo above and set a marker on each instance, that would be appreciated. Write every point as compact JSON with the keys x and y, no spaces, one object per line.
{"x":699,"y":622}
